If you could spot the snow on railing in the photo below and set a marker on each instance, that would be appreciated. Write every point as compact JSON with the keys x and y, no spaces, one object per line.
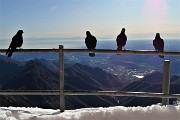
{"x":166,"y":82}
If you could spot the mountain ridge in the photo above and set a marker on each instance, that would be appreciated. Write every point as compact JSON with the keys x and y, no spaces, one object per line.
{"x":36,"y":74}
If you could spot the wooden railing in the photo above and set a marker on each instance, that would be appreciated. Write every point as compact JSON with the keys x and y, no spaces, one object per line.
{"x":166,"y":81}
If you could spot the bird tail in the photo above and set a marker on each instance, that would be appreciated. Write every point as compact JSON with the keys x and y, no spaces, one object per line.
{"x":119,"y":48}
{"x":92,"y":54}
{"x":161,"y":56}
{"x":8,"y":51}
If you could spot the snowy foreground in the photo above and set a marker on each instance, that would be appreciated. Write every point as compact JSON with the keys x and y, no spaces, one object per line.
{"x":154,"y":112}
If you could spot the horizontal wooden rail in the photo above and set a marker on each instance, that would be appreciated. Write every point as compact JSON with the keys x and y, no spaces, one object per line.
{"x":88,"y":92}
{"x":146,"y":52}
{"x":63,"y":92}
{"x":31,"y":50}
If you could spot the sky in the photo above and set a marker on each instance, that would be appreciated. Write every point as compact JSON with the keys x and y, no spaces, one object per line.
{"x":153,"y":112}
{"x":103,"y":18}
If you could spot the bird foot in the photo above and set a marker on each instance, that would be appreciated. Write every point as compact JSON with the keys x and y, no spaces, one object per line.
{"x":161,"y":56}
{"x":119,"y":48}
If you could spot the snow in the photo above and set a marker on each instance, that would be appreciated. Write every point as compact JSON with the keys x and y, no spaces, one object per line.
{"x":139,"y":76}
{"x":153,"y":112}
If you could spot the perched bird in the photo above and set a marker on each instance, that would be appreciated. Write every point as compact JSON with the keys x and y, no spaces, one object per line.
{"x":90,"y":42}
{"x":121,"y":39}
{"x":158,"y":44}
{"x":17,"y":41}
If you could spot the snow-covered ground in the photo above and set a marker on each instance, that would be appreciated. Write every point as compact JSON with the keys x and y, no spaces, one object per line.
{"x":154,"y":112}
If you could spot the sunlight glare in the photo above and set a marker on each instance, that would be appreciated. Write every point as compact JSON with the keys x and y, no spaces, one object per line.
{"x":155,"y":10}
{"x":155,"y":15}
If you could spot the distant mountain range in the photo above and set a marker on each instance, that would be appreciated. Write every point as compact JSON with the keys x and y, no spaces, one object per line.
{"x":150,"y":83}
{"x":41,"y":74}
{"x":8,"y":68}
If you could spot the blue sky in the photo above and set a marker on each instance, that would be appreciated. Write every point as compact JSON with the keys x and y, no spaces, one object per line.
{"x":103,"y":18}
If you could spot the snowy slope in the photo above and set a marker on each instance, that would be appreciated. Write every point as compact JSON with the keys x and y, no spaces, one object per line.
{"x":154,"y":112}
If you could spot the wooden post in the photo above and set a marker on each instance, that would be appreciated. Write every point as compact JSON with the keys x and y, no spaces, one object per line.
{"x":166,"y":81}
{"x":61,"y":78}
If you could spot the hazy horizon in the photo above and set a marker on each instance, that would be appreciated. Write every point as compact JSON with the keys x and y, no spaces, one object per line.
{"x":108,"y":43}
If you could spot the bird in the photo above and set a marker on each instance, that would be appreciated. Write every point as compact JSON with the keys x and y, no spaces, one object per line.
{"x":121,"y":39}
{"x":90,"y":42}
{"x":17,"y":41}
{"x":158,"y":44}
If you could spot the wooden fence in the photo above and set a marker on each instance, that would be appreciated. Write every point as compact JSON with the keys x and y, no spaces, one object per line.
{"x":61,"y":92}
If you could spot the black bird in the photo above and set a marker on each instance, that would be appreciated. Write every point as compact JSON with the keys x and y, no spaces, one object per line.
{"x":90,"y":42}
{"x":121,"y":39}
{"x":158,"y":44}
{"x":17,"y":41}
